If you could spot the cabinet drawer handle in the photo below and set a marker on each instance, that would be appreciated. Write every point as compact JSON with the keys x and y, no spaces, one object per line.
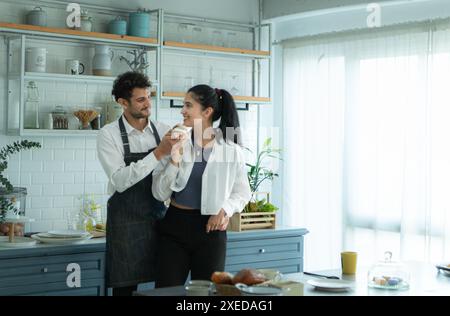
{"x":262,"y":250}
{"x":45,"y":270}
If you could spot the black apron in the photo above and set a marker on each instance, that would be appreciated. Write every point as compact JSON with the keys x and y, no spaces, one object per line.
{"x":130,"y":231}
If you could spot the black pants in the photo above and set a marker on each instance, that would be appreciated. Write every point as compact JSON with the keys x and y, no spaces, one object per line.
{"x":185,"y":246}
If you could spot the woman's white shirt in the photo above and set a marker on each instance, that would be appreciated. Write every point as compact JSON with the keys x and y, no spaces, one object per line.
{"x":224,"y":181}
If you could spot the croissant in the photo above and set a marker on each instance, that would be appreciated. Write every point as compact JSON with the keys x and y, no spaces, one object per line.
{"x":249,"y":277}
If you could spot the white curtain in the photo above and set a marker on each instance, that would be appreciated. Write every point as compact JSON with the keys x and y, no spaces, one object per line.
{"x":367,"y":144}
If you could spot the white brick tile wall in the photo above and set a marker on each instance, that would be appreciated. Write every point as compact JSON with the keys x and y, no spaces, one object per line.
{"x":64,"y":201}
{"x":73,"y":189}
{"x":91,"y":143}
{"x":54,"y":142}
{"x":72,"y":166}
{"x":63,"y":178}
{"x":89,"y":177}
{"x":96,"y":188}
{"x":53,"y":166}
{"x":52,"y":189}
{"x":80,"y":154}
{"x":75,"y":142}
{"x":78,"y":177}
{"x":41,"y":178}
{"x":42,"y":155}
{"x":60,"y":224}
{"x":93,"y":166}
{"x":41,"y":226}
{"x":32,"y":166}
{"x":26,"y":155}
{"x":25,"y":178}
{"x":41,"y":202}
{"x":64,"y":154}
{"x":53,"y":214}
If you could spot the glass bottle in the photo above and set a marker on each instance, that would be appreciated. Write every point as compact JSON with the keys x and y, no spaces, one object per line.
{"x":31,"y":110}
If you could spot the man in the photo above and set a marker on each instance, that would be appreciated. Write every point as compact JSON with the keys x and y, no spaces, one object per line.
{"x":129,"y":149}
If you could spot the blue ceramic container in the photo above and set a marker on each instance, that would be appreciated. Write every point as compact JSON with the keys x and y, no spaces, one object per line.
{"x":139,"y":24}
{"x":118,"y":26}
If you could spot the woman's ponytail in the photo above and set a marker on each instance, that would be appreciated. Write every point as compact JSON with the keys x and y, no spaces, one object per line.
{"x":229,"y":118}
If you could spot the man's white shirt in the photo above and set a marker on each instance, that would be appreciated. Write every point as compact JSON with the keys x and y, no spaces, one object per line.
{"x":110,"y":152}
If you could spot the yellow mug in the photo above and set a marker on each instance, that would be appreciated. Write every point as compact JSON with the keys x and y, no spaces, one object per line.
{"x":348,"y":262}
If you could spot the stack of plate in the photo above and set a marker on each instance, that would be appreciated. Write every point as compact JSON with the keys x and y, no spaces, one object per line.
{"x":62,"y":237}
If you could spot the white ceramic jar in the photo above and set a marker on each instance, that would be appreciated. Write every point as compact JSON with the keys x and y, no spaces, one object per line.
{"x":36,"y":59}
{"x":101,"y":64}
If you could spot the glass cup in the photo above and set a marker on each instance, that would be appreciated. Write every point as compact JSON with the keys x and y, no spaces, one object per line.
{"x":234,"y":85}
{"x":232,"y":39}
{"x":217,"y":38}
{"x":197,"y":35}
{"x":184,"y":33}
{"x":348,"y":262}
{"x":188,"y":83}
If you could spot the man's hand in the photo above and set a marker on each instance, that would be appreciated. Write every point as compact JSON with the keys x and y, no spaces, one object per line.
{"x":165,"y":146}
{"x":218,"y":222}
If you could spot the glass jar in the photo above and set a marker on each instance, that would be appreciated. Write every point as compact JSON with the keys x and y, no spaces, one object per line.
{"x":389,"y":274}
{"x":88,"y":223}
{"x":85,"y":22}
{"x":31,"y":112}
{"x":60,"y":120}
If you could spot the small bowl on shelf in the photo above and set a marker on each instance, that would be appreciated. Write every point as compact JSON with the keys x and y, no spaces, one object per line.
{"x":86,"y":117}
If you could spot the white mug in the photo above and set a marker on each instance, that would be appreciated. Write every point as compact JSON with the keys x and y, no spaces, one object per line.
{"x":73,"y":67}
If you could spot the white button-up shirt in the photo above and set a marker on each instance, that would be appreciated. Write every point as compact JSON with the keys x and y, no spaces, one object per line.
{"x":111,"y":153}
{"x":224,"y":181}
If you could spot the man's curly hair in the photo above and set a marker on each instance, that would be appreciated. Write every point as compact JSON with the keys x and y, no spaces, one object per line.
{"x":125,"y":83}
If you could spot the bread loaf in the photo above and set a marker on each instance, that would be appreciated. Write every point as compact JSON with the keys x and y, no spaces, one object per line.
{"x":222,"y":277}
{"x":249,"y":277}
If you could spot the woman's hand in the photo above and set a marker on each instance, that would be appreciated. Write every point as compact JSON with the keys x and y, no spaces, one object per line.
{"x":165,"y":147}
{"x":218,"y":222}
{"x":177,"y":149}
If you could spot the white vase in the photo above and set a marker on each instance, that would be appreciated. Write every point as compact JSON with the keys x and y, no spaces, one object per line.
{"x":101,"y":64}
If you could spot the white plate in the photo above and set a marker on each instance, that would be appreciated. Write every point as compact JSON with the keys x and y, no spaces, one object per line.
{"x":330,"y":285}
{"x":68,"y":233}
{"x":19,"y":242}
{"x":61,"y":241}
{"x":48,"y":236}
{"x":444,"y":268}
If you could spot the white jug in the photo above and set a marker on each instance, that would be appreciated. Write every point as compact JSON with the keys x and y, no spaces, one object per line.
{"x":101,"y":65}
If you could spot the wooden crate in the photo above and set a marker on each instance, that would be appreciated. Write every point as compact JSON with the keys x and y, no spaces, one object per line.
{"x":253,"y":220}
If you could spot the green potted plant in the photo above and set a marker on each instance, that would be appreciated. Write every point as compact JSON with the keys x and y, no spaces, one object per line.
{"x":258,"y":213}
{"x":9,"y":195}
{"x":257,"y":174}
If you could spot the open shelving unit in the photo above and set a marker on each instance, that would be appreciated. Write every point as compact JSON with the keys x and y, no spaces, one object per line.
{"x":21,"y":33}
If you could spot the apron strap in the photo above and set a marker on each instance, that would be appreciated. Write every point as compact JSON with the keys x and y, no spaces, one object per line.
{"x":155,"y":132}
{"x":124,"y":135}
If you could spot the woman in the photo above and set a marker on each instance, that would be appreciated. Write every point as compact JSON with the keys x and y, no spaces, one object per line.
{"x":205,"y":179}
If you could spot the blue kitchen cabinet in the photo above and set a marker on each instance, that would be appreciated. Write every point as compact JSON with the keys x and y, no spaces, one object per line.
{"x":48,"y":270}
{"x":280,"y":249}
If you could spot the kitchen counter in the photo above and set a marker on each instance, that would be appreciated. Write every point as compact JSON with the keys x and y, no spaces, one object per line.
{"x":425,"y":281}
{"x":94,"y":244}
